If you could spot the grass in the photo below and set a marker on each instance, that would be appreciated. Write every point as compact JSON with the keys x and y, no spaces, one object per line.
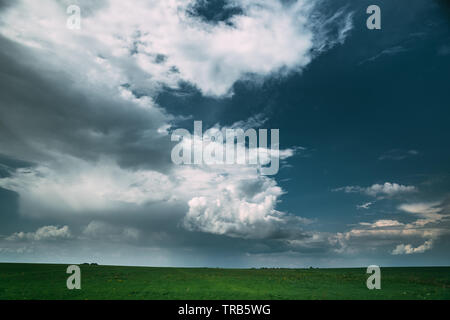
{"x":48,"y":281}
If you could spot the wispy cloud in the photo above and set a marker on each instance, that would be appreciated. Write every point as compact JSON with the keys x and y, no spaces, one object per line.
{"x":41,"y":234}
{"x":263,"y":38}
{"x":386,"y":52}
{"x":398,"y":154}
{"x":387,"y":189}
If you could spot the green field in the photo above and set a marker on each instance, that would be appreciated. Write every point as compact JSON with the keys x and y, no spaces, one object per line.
{"x":45,"y":281}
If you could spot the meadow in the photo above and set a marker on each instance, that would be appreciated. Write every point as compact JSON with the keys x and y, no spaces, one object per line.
{"x":48,"y":281}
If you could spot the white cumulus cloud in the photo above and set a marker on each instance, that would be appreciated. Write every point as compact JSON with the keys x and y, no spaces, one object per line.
{"x":386,"y":189}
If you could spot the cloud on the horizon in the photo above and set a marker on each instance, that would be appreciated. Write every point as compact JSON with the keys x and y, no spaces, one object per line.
{"x":398,"y":154}
{"x":159,"y":43}
{"x":244,"y":208}
{"x":365,"y":205}
{"x":424,"y":223}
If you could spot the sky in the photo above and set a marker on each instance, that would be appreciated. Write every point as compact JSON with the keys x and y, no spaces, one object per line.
{"x":87,"y":118}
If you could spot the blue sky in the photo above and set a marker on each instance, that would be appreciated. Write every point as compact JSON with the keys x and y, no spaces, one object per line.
{"x":86,"y":118}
